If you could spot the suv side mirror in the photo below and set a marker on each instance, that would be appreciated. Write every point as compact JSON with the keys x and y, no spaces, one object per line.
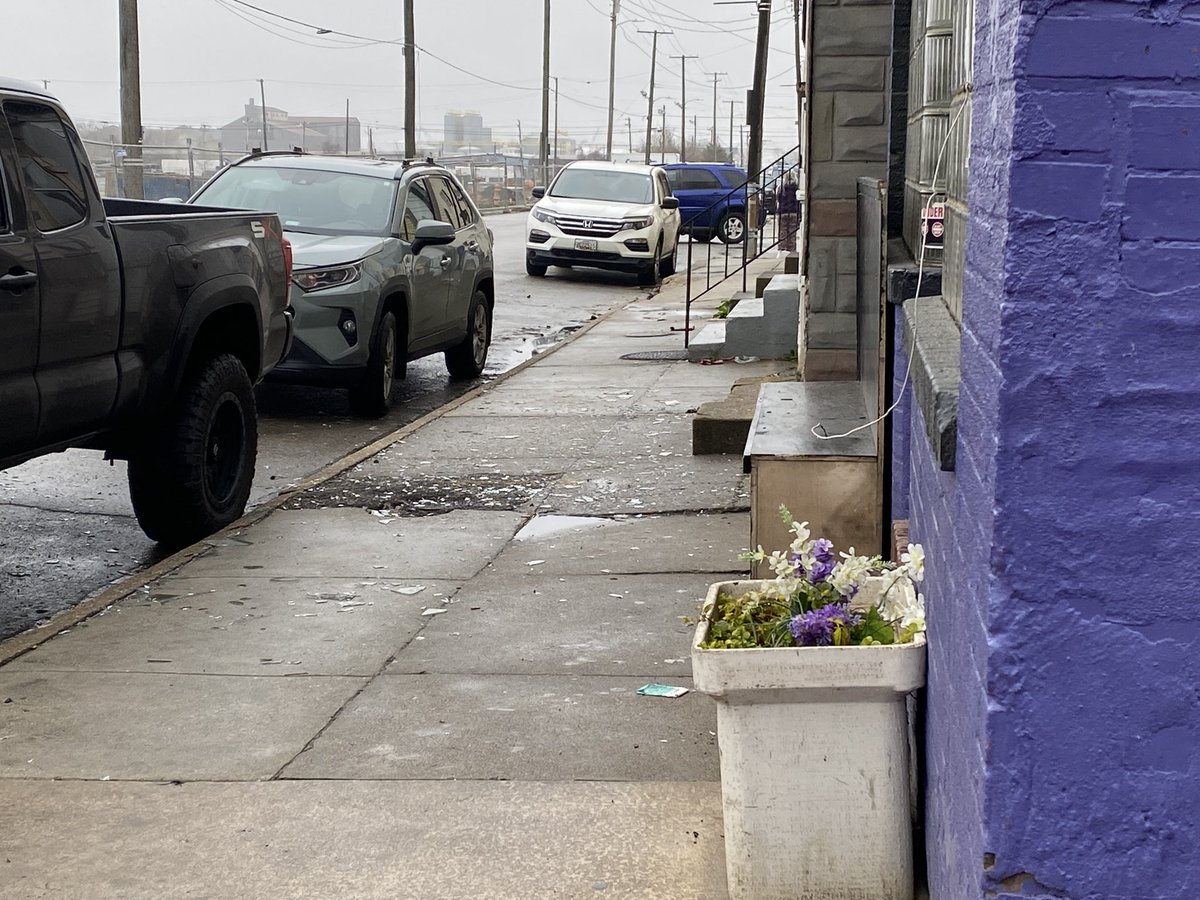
{"x":538,"y":193}
{"x":431,"y":233}
{"x":670,"y":203}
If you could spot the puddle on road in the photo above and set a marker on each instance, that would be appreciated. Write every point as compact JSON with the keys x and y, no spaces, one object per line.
{"x":548,"y":526}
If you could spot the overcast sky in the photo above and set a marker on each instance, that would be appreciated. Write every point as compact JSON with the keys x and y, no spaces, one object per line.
{"x":201,"y":60}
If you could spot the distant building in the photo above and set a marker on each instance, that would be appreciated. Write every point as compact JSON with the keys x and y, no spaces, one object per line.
{"x":464,"y":132}
{"x":316,"y":134}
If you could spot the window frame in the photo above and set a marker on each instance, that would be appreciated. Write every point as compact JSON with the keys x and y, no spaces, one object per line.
{"x":67,"y":132}
{"x":412,"y":184}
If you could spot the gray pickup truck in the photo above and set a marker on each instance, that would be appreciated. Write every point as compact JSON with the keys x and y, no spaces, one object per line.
{"x":130,"y":327}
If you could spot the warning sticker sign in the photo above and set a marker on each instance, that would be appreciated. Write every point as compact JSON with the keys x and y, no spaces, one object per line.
{"x":933,"y":225}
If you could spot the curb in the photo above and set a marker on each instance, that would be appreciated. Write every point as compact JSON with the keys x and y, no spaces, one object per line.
{"x":22,"y":643}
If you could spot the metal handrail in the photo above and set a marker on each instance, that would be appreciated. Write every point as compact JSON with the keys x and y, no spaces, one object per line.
{"x":766,"y":184}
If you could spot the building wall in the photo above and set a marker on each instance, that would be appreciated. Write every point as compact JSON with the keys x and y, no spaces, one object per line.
{"x":1063,"y":733}
{"x":851,"y":49}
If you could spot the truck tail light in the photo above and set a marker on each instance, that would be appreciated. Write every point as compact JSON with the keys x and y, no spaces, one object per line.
{"x":287,"y":261}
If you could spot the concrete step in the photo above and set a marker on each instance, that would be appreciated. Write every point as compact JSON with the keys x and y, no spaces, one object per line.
{"x":709,"y":342}
{"x":722,"y":426}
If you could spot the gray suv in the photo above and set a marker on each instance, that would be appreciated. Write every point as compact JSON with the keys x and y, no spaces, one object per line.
{"x":392,"y":263}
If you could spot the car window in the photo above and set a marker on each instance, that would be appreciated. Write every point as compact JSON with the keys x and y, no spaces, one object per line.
{"x":54,"y":192}
{"x":307,"y":200}
{"x":614,"y":186}
{"x":698,"y":180}
{"x":447,"y":203}
{"x":417,"y":207}
{"x":4,"y":219}
{"x":465,"y":210}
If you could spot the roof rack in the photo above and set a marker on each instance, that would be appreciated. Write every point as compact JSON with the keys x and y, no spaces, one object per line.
{"x":412,"y":161}
{"x":258,"y":152}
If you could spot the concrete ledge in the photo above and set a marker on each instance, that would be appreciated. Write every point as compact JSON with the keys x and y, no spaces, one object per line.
{"x":722,"y":426}
{"x":903,"y":271}
{"x":934,"y":340}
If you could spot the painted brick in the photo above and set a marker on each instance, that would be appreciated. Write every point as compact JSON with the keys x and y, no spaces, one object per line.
{"x":1166,"y":136}
{"x":858,"y":108}
{"x":849,"y":73}
{"x":853,"y":31}
{"x":1161,"y":206}
{"x":1063,"y":726}
{"x":1059,"y":190}
{"x":866,"y":143}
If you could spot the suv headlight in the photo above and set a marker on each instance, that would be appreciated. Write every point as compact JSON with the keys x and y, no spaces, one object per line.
{"x":543,"y":216}
{"x":637,"y":224}
{"x":309,"y":280}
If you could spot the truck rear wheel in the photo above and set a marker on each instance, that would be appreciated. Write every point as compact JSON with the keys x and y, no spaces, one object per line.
{"x":192,"y":476}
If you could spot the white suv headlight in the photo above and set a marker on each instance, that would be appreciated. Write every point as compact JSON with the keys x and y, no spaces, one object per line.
{"x":637,"y":224}
{"x":543,"y":216}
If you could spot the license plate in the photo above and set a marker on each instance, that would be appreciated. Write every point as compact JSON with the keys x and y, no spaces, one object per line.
{"x":581,"y":244}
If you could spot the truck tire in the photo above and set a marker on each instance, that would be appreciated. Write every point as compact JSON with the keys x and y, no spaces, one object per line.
{"x":466,"y":360}
{"x":192,"y":475}
{"x":371,"y":398}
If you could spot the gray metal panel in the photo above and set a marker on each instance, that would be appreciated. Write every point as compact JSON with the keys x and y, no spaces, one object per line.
{"x":787,"y":412}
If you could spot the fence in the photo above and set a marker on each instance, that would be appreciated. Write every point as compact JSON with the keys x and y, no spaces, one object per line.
{"x":493,"y":181}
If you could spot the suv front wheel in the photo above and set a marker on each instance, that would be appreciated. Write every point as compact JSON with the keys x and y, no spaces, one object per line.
{"x":373,"y":395}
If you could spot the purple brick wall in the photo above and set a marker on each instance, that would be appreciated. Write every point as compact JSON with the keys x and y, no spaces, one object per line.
{"x":1063,"y":734}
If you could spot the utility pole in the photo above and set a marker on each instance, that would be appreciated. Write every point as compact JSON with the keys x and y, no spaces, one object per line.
{"x":683,"y":105}
{"x":650,"y":99}
{"x":347,"y":126}
{"x":612,"y":76}
{"x":714,"y":134}
{"x":696,"y":130}
{"x":410,"y":82}
{"x":545,"y":140}
{"x":555,"y":122}
{"x":732,"y":104}
{"x":663,"y":145}
{"x":131,"y":99}
{"x":262,"y":94}
{"x":629,"y":127}
{"x":754,"y":163}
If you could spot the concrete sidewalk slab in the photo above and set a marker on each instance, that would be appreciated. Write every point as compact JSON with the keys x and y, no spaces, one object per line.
{"x":230,"y":626}
{"x":341,"y":543}
{"x":160,"y":727}
{"x":584,"y":629}
{"x":386,"y":840}
{"x":472,"y":437}
{"x":540,"y":401}
{"x":644,"y":544}
{"x":671,"y":484}
{"x":516,"y":728}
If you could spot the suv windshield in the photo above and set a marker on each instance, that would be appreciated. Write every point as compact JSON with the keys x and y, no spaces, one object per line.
{"x":307,"y":199}
{"x":600,"y":184}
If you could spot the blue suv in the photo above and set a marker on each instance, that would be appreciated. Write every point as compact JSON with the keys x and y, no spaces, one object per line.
{"x":710,"y":203}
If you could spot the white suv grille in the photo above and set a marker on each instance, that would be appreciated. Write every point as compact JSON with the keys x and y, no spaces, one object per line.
{"x":586,"y":227}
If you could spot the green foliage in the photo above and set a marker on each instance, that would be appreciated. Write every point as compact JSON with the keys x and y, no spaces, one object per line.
{"x":724,"y":309}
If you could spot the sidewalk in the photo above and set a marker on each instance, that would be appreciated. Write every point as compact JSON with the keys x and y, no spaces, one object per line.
{"x":417,"y":679}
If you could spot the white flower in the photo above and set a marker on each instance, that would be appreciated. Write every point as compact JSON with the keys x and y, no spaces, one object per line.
{"x":757,"y":555}
{"x":850,"y":573}
{"x":914,"y":562}
{"x":781,"y":565}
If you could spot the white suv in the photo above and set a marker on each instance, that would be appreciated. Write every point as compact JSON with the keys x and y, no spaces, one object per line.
{"x":606,"y":216}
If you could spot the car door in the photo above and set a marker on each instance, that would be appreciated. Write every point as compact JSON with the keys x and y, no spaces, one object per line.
{"x":464,"y":266}
{"x":430,"y":268}
{"x":19,"y":318}
{"x":78,"y":274}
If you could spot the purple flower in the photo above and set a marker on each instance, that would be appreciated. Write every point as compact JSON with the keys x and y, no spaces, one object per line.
{"x":816,"y":628}
{"x":823,"y":550}
{"x":797,"y":562}
{"x":823,"y":561}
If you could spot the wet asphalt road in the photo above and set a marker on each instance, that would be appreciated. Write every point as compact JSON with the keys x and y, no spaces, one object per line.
{"x":66,"y":526}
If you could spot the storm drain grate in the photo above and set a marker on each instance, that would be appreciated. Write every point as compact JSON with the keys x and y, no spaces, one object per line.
{"x":657,"y":355}
{"x":426,"y":496}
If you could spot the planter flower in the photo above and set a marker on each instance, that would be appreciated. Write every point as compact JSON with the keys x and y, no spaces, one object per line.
{"x":811,"y":672}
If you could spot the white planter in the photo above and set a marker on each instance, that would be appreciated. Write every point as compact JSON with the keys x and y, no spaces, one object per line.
{"x":814,"y":765}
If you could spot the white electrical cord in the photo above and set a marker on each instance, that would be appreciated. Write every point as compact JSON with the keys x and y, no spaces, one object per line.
{"x":823,"y":435}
